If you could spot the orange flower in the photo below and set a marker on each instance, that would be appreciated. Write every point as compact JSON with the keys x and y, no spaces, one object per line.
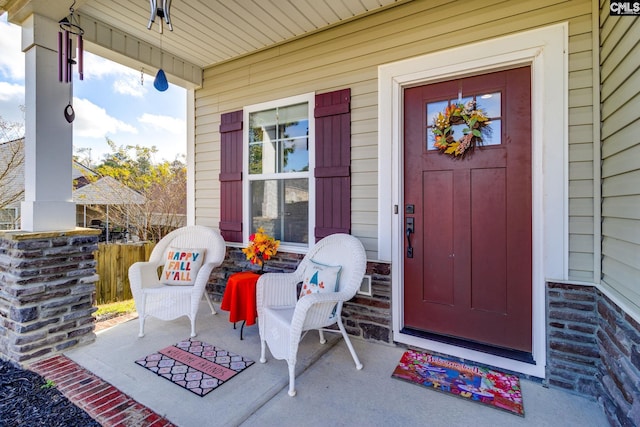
{"x":261,"y":247}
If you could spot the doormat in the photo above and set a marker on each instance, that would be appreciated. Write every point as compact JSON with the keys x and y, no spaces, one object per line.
{"x":195,"y":365}
{"x":473,"y":382}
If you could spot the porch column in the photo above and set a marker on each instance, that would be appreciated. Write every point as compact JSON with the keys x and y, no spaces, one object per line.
{"x":48,"y":204}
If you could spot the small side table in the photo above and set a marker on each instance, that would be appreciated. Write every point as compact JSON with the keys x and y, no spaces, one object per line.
{"x":239,"y":299}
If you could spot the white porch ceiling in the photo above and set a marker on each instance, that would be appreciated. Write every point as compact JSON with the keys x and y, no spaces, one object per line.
{"x":206,"y":32}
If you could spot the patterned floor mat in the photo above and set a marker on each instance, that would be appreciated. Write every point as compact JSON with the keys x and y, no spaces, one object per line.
{"x":463,"y":379}
{"x":196,"y":366}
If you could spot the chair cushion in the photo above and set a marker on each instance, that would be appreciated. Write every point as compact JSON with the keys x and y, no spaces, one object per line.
{"x":320,"y":278}
{"x":181,"y":266}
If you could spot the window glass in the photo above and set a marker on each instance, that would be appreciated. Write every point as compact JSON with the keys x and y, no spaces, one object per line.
{"x":281,"y":206}
{"x":491,"y":104}
{"x":279,"y":140}
{"x":433,"y":108}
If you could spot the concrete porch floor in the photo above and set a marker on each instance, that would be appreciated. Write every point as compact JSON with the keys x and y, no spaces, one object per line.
{"x":330,"y":390}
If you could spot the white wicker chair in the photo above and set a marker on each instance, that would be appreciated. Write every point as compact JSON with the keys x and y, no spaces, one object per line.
{"x":282,"y":318}
{"x":164,"y":302}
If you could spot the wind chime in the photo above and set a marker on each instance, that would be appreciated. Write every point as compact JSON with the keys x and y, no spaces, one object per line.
{"x":69,"y":27}
{"x":160,"y":12}
{"x":160,"y":82}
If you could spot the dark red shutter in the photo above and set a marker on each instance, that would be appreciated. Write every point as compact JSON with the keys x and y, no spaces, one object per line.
{"x":231,"y":176}
{"x":333,"y":163}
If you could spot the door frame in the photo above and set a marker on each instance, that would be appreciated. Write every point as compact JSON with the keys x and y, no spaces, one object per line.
{"x":545,"y":49}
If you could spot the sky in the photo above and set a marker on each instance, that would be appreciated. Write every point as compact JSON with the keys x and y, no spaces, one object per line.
{"x":109,"y":103}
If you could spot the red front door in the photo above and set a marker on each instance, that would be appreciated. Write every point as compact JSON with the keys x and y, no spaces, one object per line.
{"x":469,"y":273}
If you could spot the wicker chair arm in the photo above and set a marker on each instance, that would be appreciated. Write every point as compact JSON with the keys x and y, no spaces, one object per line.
{"x":277,"y":289}
{"x":317,"y":310}
{"x":143,"y":274}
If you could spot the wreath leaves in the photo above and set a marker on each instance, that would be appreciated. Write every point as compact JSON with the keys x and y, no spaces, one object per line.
{"x":476,"y":122}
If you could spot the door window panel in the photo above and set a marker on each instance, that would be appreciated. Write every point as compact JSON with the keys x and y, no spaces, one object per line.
{"x":490,"y":103}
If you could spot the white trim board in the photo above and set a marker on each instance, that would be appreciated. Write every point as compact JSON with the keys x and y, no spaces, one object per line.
{"x":545,"y":49}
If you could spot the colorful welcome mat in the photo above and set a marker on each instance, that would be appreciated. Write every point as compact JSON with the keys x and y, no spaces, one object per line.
{"x":197,"y":366}
{"x":473,"y":382}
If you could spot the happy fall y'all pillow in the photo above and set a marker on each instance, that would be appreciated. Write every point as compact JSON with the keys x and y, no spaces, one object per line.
{"x":181,"y":266}
{"x":320,"y":278}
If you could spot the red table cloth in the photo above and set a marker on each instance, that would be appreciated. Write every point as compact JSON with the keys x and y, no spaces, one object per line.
{"x":239,"y":297}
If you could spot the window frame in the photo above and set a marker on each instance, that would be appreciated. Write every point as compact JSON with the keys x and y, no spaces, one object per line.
{"x":309,"y":98}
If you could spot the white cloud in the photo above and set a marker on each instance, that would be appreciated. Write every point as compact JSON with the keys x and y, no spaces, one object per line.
{"x":126,"y":81}
{"x":12,"y":58}
{"x":96,"y":68}
{"x":11,"y":92}
{"x":93,"y":121}
{"x":166,"y":123}
{"x":129,"y":87}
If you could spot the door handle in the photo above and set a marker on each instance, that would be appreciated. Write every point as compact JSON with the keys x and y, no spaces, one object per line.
{"x":409,"y":229}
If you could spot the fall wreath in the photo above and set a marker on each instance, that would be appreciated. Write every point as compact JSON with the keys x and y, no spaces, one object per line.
{"x":476,"y":122}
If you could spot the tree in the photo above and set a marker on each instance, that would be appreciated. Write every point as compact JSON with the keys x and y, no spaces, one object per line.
{"x":83,"y":157}
{"x":163,"y":185}
{"x":11,"y":163}
{"x":10,"y":131}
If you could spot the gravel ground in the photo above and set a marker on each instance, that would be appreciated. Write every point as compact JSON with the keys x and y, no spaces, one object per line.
{"x":27,"y":400}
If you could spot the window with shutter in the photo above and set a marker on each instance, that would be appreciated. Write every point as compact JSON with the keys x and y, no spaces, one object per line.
{"x":285,"y":140}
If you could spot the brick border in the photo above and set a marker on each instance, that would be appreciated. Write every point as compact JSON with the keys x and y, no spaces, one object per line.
{"x":102,"y":401}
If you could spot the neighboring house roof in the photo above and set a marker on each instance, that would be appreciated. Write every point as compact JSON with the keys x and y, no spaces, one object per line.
{"x":79,"y":171}
{"x":14,"y":181}
{"x":107,"y":191}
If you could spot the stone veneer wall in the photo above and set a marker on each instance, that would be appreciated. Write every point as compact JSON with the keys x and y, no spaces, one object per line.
{"x":619,"y":344}
{"x":47,"y":282}
{"x":368,"y":317}
{"x":594,"y":350}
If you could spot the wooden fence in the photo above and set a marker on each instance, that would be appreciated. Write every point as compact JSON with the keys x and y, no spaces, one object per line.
{"x":113,"y":261}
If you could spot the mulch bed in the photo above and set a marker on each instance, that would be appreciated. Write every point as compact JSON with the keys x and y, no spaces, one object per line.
{"x":25,"y":402}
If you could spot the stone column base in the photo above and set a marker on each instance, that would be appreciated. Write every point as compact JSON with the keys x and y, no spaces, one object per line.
{"x":47,"y":282}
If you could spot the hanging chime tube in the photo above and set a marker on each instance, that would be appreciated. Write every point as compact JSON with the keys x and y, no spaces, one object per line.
{"x":67,"y":57}
{"x":80,"y":57}
{"x":60,"y":56}
{"x":70,"y":60}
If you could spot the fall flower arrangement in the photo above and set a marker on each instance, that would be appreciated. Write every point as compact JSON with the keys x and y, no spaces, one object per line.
{"x":261,"y":248}
{"x":476,"y":123}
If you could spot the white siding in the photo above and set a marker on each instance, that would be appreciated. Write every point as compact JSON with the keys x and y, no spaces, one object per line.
{"x":620,"y":62}
{"x":348,"y":56}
